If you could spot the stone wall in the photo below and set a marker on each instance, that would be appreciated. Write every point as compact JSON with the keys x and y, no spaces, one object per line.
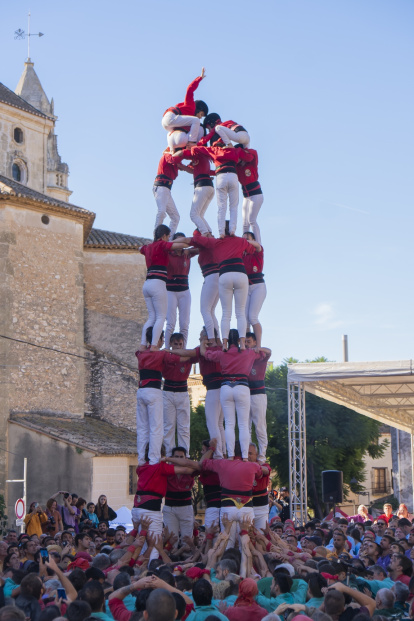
{"x":41,"y":301}
{"x":402,"y":467}
{"x":31,"y":151}
{"x":114,"y":314}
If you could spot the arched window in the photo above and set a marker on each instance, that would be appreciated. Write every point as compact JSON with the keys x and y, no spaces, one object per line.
{"x":18,"y":135}
{"x":17,"y":172}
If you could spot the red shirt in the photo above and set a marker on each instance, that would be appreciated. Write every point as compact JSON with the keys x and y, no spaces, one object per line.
{"x":254,"y":262}
{"x":234,"y":474}
{"x":187,"y":107}
{"x":167,"y":166}
{"x":233,"y":362}
{"x":156,"y":253}
{"x":153,"y":361}
{"x":211,"y":487}
{"x":178,"y":264}
{"x":152,"y":479}
{"x":210,"y":370}
{"x":260,"y":489}
{"x":230,"y":247}
{"x":206,"y":259}
{"x":249,"y":172}
{"x":231,"y":124}
{"x":219,"y":155}
{"x":258,"y":371}
{"x":176,"y":373}
{"x":179,"y":488}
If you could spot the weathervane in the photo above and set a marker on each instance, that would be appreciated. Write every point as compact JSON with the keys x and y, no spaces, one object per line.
{"x":21,"y":34}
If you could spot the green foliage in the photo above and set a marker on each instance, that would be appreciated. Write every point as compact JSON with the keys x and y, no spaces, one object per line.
{"x":337,"y":438}
{"x":198,"y":431}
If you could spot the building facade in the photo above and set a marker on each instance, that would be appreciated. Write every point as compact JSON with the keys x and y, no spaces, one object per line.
{"x":71,"y":313}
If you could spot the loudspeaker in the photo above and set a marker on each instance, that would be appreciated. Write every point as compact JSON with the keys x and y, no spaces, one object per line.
{"x":332,"y":484}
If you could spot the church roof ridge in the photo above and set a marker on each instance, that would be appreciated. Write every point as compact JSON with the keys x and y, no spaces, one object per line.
{"x":10,"y":98}
{"x":99,"y":238}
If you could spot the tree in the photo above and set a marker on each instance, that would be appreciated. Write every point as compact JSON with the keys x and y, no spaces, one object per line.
{"x":337,"y":438}
{"x":198,"y":433}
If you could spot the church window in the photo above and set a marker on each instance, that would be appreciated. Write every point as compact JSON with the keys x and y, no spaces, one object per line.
{"x":45,"y":219}
{"x":17,"y":172}
{"x":18,"y":135}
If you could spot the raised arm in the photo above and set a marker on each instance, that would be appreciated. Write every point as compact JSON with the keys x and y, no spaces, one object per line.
{"x":360,"y":598}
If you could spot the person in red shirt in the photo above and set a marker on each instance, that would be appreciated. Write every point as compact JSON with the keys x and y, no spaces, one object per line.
{"x":178,"y":512}
{"x":209,"y":296}
{"x":236,"y":480}
{"x":227,"y":130}
{"x":183,"y":120}
{"x":225,"y":159}
{"x":257,"y":287}
{"x":236,"y":365}
{"x":150,"y":400}
{"x":154,"y":289}
{"x":211,"y":372}
{"x":248,"y":176}
{"x":211,"y":489}
{"x":178,"y":292}
{"x":176,"y":400}
{"x":260,"y":495}
{"x":151,"y":489}
{"x":203,"y":190}
{"x":258,"y":396}
{"x":167,"y":172}
{"x":228,"y":253}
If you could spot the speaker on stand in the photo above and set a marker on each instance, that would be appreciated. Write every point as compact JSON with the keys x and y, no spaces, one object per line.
{"x":332,"y":487}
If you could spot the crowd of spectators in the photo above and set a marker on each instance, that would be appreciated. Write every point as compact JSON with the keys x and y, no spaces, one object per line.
{"x":70,"y":564}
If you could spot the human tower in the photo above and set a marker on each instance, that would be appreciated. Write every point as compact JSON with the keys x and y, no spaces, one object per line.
{"x":233,"y":366}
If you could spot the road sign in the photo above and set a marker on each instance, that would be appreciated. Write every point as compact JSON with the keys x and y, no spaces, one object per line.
{"x":19,"y":508}
{"x":19,"y":522}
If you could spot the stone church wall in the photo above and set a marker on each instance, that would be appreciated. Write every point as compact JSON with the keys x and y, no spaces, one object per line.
{"x":42,"y":272}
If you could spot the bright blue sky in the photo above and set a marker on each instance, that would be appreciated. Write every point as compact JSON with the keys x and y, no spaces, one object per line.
{"x":325,"y":89}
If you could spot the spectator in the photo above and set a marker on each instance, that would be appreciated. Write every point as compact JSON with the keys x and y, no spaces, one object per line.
{"x":103,"y":511}
{"x":31,"y":589}
{"x":34,"y":519}
{"x":54,"y":522}
{"x":245,"y":607}
{"x":202,"y":595}
{"x":90,"y":516}
{"x":78,"y":611}
{"x":384,"y":602}
{"x":94,"y":595}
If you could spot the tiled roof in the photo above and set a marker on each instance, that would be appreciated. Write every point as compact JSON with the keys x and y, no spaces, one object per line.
{"x":107,"y":239}
{"x":10,"y":98}
{"x":9,"y":187}
{"x":88,"y":433}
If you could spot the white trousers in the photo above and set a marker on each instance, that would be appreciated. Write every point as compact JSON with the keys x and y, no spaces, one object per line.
{"x":179,"y":520}
{"x":155,"y":295}
{"x":258,"y":406}
{"x":256,"y":295}
{"x":227,"y":186}
{"x":203,"y":195}
{"x":155,"y":527}
{"x":208,"y":302}
{"x":176,"y":415}
{"x":235,"y":515}
{"x":176,"y":140}
{"x":149,"y":424}
{"x":180,"y":300}
{"x":250,"y":209}
{"x":212,"y":514}
{"x":229,"y":135}
{"x":233,"y":284}
{"x":214,"y":420}
{"x":165,"y":206}
{"x":236,"y":400}
{"x":261,"y":517}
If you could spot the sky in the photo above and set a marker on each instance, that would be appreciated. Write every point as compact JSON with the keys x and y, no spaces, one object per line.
{"x":325,"y":89}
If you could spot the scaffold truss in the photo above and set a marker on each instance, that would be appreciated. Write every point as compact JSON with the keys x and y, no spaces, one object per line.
{"x":297,"y":452}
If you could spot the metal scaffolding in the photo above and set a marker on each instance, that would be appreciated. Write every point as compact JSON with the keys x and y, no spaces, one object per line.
{"x":297,"y":452}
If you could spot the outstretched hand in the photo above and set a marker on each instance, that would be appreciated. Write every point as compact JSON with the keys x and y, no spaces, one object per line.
{"x":203,"y":73}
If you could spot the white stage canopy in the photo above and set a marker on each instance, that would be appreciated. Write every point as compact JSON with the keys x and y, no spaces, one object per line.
{"x":383,"y":391}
